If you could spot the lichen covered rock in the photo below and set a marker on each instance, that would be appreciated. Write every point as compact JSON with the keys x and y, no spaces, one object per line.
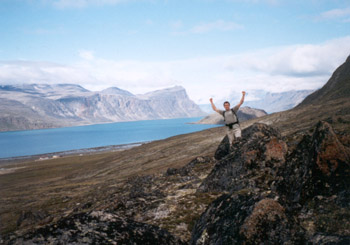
{"x":268,"y":223}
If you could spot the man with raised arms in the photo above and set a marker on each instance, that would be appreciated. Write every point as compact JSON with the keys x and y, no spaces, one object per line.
{"x":231,"y":119}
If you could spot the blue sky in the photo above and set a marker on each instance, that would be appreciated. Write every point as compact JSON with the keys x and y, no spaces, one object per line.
{"x":212,"y":48}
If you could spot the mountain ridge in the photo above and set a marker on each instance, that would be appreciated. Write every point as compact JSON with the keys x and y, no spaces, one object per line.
{"x":275,"y":102}
{"x":270,"y":102}
{"x":45,"y":106}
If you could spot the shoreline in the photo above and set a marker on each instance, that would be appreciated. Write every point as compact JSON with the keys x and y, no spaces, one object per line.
{"x":84,"y":151}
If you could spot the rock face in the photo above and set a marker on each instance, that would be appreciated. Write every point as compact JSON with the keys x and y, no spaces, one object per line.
{"x":245,"y":113}
{"x":39,"y":106}
{"x":275,"y":195}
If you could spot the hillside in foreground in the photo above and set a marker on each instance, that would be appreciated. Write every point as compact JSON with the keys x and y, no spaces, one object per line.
{"x":285,"y":181}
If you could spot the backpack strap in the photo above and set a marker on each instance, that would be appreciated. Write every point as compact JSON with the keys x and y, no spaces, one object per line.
{"x":235,"y":114}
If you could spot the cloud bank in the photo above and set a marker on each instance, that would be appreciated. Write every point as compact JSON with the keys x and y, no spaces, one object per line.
{"x":276,"y":69}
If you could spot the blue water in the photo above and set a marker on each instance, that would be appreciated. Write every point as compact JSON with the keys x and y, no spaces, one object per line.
{"x":33,"y":142}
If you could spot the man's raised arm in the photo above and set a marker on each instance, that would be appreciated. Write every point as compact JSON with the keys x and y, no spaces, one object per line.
{"x":213,"y":106}
{"x":242,"y":100}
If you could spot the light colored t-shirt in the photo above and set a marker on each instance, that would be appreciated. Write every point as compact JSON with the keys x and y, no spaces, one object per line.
{"x":230,"y":117}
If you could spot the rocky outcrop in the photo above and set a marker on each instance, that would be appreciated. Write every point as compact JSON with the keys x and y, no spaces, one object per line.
{"x":259,"y":154}
{"x":275,"y":195}
{"x":245,"y":218}
{"x":320,"y":165}
{"x":315,"y":185}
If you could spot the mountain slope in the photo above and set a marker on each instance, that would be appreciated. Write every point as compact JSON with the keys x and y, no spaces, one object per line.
{"x":331,"y":103}
{"x":338,"y":86}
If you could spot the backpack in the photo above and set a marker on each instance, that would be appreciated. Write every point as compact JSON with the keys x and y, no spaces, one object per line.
{"x":234,"y":114}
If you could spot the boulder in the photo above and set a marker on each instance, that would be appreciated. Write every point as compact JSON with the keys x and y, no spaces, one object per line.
{"x":268,"y":223}
{"x":320,"y":165}
{"x":246,"y":218}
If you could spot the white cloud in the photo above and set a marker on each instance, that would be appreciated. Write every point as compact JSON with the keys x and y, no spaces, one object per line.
{"x":17,"y":72}
{"x":275,"y":70}
{"x":336,"y":13}
{"x":296,"y":60}
{"x":219,"y":25}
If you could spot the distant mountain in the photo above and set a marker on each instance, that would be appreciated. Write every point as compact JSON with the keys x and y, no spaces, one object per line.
{"x":275,"y":102}
{"x":35,"y":106}
{"x":244,"y":114}
{"x":266,"y":101}
{"x":338,"y":86}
